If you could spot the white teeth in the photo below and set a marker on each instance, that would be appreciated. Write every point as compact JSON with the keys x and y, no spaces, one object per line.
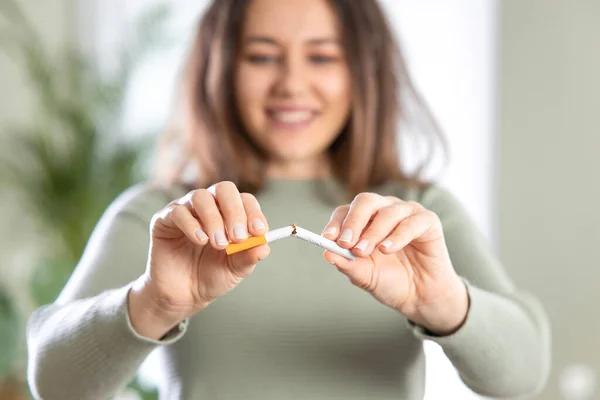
{"x":292,"y":117}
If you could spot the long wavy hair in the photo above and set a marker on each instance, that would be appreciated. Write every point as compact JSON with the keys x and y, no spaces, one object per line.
{"x":208,"y":141}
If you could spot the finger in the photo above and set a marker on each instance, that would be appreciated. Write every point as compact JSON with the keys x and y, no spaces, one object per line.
{"x":336,"y":259}
{"x":360,"y":272}
{"x":187,"y":201}
{"x":332,"y":229}
{"x":257,"y":223}
{"x":382,"y":225}
{"x":362,"y":209}
{"x":424,"y":226}
{"x":232,"y":210}
{"x":182,"y":219}
{"x":209,"y":216}
{"x":243,"y":262}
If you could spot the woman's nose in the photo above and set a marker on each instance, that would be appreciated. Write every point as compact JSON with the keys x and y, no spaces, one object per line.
{"x":293,"y":77}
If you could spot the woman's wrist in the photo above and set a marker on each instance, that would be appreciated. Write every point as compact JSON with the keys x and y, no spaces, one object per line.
{"x":448,"y":315}
{"x":147,"y":318}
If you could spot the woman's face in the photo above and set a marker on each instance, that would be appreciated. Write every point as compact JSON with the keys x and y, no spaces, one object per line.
{"x":292,"y":81}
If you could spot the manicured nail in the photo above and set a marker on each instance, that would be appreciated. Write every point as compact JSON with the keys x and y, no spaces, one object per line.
{"x":239,"y":231}
{"x":362,"y":245}
{"x":387,"y":244}
{"x":220,"y":238}
{"x":346,"y":236}
{"x":200,"y":235}
{"x":329,"y":231}
{"x":258,"y":225}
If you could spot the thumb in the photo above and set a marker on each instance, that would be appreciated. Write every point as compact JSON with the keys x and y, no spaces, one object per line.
{"x":243,"y":262}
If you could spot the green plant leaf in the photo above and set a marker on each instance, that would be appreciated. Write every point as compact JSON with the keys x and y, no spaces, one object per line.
{"x":49,"y":278}
{"x":11,"y":12}
{"x":9,"y":334}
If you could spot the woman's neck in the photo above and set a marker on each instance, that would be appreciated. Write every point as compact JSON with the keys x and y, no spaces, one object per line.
{"x":299,"y":170}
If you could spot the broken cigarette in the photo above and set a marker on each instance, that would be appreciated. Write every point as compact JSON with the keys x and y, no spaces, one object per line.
{"x":288,"y":231}
{"x":323,"y":242}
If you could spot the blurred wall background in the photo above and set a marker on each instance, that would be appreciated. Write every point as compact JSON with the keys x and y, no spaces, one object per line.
{"x":549,"y":190}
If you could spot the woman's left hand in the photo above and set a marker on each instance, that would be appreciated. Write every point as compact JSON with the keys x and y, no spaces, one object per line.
{"x":402,"y":259}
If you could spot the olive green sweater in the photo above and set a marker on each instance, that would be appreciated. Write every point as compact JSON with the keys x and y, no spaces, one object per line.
{"x":295,"y":329}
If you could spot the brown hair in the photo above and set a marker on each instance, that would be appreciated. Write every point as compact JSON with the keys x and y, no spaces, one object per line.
{"x":363,"y":155}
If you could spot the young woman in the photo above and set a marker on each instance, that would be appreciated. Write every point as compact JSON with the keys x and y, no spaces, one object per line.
{"x":290,"y":115}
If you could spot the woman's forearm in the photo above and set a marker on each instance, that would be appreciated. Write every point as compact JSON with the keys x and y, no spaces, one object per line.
{"x":503,"y":348}
{"x":84,"y":349}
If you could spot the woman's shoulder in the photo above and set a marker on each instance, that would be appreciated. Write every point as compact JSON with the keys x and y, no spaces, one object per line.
{"x":430,"y":195}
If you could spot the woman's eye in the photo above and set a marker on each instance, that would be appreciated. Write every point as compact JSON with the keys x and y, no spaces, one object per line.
{"x":322,"y":59}
{"x":262,"y":59}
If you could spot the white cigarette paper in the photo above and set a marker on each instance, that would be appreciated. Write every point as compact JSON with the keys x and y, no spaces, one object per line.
{"x":323,"y":242}
{"x":310,"y":237}
{"x":279,"y":233}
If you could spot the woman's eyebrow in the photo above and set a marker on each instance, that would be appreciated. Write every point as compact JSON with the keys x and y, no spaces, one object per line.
{"x":323,"y":40}
{"x":260,"y":39}
{"x":271,"y":41}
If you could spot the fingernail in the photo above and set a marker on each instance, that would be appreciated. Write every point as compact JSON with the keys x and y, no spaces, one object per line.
{"x":220,"y":238}
{"x":346,"y":236}
{"x":386,"y":244}
{"x":258,"y":225}
{"x":239,"y":231}
{"x":362,"y":245}
{"x":201,"y":235}
{"x":329,"y":231}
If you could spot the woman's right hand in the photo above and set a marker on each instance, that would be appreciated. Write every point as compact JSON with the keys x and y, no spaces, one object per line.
{"x":188,"y":267}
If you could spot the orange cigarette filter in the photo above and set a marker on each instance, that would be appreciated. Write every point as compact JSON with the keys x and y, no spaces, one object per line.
{"x":249,"y":243}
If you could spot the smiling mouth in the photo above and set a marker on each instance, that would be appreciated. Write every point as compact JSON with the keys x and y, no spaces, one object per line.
{"x":292,"y":119}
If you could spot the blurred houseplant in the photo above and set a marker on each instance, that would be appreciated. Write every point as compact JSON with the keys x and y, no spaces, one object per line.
{"x":9,"y":339}
{"x":72,"y":158}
